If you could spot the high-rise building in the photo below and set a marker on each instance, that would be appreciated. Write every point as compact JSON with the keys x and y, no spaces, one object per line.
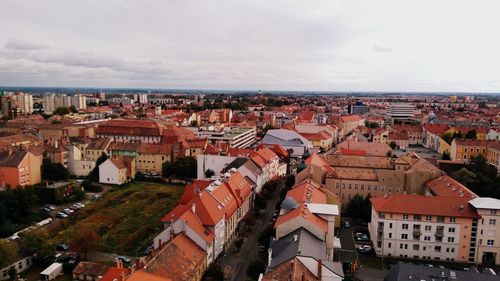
{"x":79,"y":101}
{"x":358,"y":108}
{"x":142,"y":98}
{"x":16,"y":103}
{"x":49,"y":103}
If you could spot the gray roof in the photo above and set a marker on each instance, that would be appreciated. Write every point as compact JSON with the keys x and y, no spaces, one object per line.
{"x":403,"y":271}
{"x":284,"y":137}
{"x":12,"y":160}
{"x":306,"y":245}
{"x":289,"y":204}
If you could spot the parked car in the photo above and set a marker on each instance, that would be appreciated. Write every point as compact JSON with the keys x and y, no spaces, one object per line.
{"x":67,"y":211}
{"x":62,"y":247}
{"x":61,"y":215}
{"x":81,"y":205}
{"x":363,"y":237}
{"x":45,"y":209}
{"x":123,"y":259}
{"x":52,"y":207}
{"x":262,"y":248}
{"x":347,"y":224}
{"x":365,"y":249}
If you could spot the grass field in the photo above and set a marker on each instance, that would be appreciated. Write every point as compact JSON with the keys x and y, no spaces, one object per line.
{"x":127,"y":218}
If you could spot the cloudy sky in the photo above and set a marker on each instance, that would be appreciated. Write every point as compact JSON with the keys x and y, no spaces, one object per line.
{"x":259,"y":44}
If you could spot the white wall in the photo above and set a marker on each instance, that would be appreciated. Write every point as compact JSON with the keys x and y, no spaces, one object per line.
{"x":213,"y":162}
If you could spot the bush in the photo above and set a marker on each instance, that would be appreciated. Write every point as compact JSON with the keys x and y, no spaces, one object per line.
{"x":91,"y":187}
{"x":255,"y":268}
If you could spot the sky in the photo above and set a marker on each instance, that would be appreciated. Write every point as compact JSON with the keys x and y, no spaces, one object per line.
{"x":429,"y":46}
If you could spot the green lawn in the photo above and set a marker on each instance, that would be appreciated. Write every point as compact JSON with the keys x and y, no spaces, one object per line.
{"x":127,"y":218}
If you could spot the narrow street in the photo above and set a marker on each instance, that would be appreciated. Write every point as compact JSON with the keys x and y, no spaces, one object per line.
{"x":235,"y":263}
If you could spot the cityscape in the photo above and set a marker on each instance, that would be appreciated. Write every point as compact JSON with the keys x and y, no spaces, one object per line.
{"x":275,"y":153}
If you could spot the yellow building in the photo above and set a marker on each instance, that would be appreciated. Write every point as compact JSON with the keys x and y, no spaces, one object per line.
{"x":150,"y":158}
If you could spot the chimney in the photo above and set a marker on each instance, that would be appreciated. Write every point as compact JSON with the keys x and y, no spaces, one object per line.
{"x":193,"y":208}
{"x":118,"y":265}
{"x":320,"y":269}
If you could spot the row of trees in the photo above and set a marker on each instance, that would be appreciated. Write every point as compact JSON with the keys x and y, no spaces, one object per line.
{"x":16,"y":208}
{"x":480,"y":177}
{"x":181,"y":167}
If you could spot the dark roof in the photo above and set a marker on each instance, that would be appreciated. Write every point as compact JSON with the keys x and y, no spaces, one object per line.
{"x":12,"y":160}
{"x":238,"y":162}
{"x":306,"y":245}
{"x":90,"y":268}
{"x":403,"y":271}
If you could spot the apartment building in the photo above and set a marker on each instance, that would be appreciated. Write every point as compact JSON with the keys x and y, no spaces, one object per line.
{"x":19,"y":168}
{"x":449,"y":223}
{"x":493,"y":154}
{"x":465,"y":149}
{"x":320,"y":136}
{"x":235,"y":136}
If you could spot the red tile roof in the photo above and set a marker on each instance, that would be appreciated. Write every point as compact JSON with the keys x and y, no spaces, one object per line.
{"x":448,"y":187}
{"x":424,"y":205}
{"x":129,"y":127}
{"x":436,"y":129}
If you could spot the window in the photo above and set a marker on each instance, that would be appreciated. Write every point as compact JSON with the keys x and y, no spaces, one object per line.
{"x":405,"y":226}
{"x":405,"y":216}
{"x":437,"y":249}
{"x":404,"y":236}
{"x":427,"y":238}
{"x":493,"y":221}
{"x":493,"y":212}
{"x":428,"y":228}
{"x":440,"y":219}
{"x":390,"y":234}
{"x":416,"y":247}
{"x":428,"y":218}
{"x":350,"y":186}
{"x":416,"y":217}
{"x":356,"y":186}
{"x":337,"y":185}
{"x":390,"y":225}
{"x":362,"y":187}
{"x":401,"y":246}
{"x":490,"y":242}
{"x":451,"y":229}
{"x":349,"y":196}
{"x":453,"y":219}
{"x":451,"y":239}
{"x":389,"y":245}
{"x":381,"y":215}
{"x":343,"y":186}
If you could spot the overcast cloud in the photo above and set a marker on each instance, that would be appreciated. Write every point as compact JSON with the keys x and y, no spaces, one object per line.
{"x":260,"y":44}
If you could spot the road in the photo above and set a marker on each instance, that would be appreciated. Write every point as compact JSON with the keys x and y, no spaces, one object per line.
{"x":235,"y":263}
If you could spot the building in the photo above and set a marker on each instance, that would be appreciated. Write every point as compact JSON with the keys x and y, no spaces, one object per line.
{"x":24,"y":261}
{"x":464,"y":149}
{"x":488,"y":229}
{"x":19,"y":168}
{"x":269,"y":163}
{"x":319,"y":136}
{"x":179,"y":260}
{"x":358,"y":108}
{"x":216,"y":163}
{"x":79,"y":101}
{"x":240,"y":137}
{"x":151,"y":157}
{"x":16,"y":103}
{"x":377,"y":176}
{"x":121,"y":130}
{"x":449,"y":223}
{"x":348,"y":123}
{"x":89,"y":271}
{"x":408,"y":271}
{"x":117,"y":170}
{"x":400,"y":111}
{"x":291,"y":141}
{"x":352,"y":146}
{"x":142,"y":98}
{"x":493,"y":154}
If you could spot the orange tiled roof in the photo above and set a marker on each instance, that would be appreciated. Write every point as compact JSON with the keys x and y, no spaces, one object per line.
{"x":424,"y":205}
{"x":448,"y":187}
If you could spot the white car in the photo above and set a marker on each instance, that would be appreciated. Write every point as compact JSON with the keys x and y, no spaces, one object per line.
{"x":365,"y":249}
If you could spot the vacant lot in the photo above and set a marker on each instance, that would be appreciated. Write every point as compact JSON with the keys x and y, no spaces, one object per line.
{"x":126,"y":218}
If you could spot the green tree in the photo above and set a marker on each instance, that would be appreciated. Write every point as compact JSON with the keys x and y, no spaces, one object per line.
{"x":94,"y":174}
{"x":73,"y":109}
{"x":209,"y":173}
{"x":182,"y":167}
{"x":61,"y":111}
{"x":255,"y":268}
{"x":445,"y":156}
{"x":37,"y":240}
{"x":8,"y":253}
{"x":85,"y":241}
{"x":472,"y":134}
{"x":213,"y":273}
{"x":359,"y":208}
{"x":290,"y":181}
{"x":393,"y":144}
{"x":53,"y":171}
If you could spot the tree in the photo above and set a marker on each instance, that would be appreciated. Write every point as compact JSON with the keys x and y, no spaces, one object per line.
{"x":53,"y":171}
{"x":255,"y":268}
{"x":37,"y":241}
{"x":238,"y":243}
{"x":73,"y":109}
{"x":213,"y":273}
{"x":12,"y":273}
{"x":94,"y":174}
{"x":182,"y":167}
{"x":472,"y":134}
{"x":290,"y":181}
{"x":8,"y":253}
{"x":393,"y":144}
{"x":446,"y":156}
{"x":260,"y":201}
{"x":265,"y":235}
{"x":85,"y":241}
{"x":209,"y":173}
{"x":359,"y":208}
{"x":61,"y":111}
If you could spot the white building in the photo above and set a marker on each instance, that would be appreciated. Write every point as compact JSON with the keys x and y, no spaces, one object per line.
{"x":117,"y":170}
{"x":239,"y":137}
{"x":79,"y":101}
{"x":49,"y":103}
{"x":488,"y":230}
{"x":142,"y":98}
{"x":215,"y":163}
{"x":289,"y":140}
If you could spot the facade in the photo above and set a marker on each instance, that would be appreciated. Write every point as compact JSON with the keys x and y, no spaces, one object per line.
{"x":358,"y":108}
{"x":488,"y":229}
{"x":121,"y":130}
{"x":79,"y":101}
{"x":216,"y":163}
{"x":117,"y":170}
{"x":239,"y":137}
{"x":16,"y":169}
{"x":151,"y":157}
{"x":463,"y":150}
{"x":16,"y":103}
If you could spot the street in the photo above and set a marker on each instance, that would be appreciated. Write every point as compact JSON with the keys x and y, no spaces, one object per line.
{"x":235,"y":263}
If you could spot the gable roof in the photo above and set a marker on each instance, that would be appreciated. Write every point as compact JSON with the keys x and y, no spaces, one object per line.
{"x":12,"y":159}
